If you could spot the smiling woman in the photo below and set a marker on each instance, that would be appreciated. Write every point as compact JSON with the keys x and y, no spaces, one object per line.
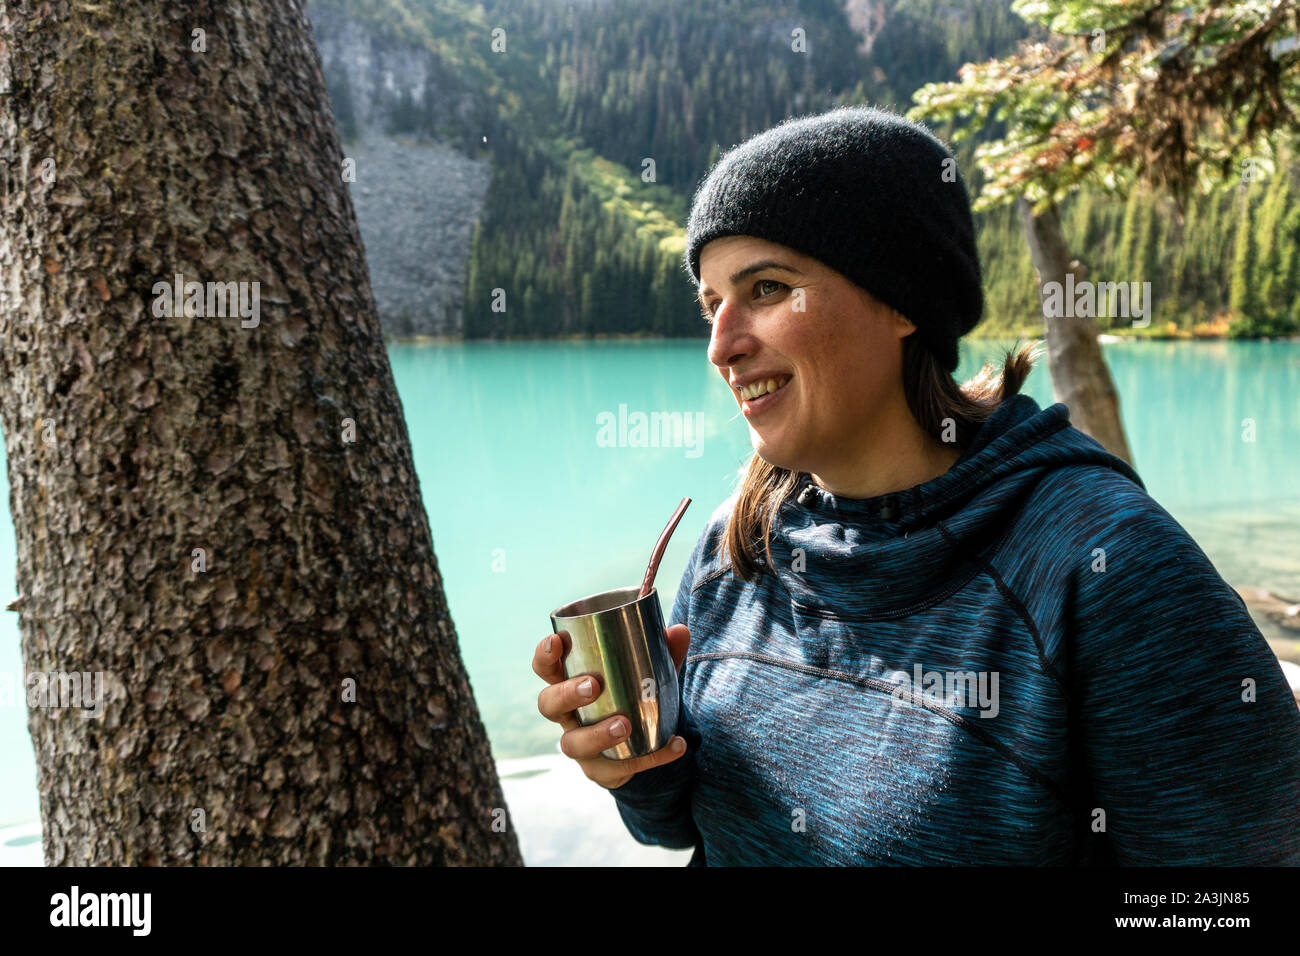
{"x":813,"y":360}
{"x":895,"y":533}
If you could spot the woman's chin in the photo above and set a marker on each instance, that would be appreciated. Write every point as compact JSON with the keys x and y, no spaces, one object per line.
{"x":773,"y":453}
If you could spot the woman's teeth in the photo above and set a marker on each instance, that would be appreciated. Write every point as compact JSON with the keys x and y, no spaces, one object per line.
{"x":763,"y":387}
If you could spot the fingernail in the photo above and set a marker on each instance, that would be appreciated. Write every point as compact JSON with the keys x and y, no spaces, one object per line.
{"x":617,"y":728}
{"x":546,"y":645}
{"x":585,"y":688}
{"x":678,"y":745}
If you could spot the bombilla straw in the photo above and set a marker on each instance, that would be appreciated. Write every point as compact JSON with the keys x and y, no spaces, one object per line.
{"x":649,"y":581}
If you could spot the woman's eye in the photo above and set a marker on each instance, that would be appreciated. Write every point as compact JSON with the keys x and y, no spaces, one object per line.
{"x":707,"y":312}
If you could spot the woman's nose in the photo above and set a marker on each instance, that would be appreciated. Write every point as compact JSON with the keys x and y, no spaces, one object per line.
{"x":728,"y":338}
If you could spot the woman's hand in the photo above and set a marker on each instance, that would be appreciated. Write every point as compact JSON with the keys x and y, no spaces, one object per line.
{"x":561,"y":697}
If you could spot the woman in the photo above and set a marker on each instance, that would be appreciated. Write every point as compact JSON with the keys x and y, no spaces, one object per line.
{"x":935,"y":624}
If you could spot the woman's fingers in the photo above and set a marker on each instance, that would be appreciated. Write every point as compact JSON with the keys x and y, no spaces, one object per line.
{"x":561,"y":697}
{"x":548,"y":658}
{"x":620,"y":772}
{"x":679,"y":641}
{"x":559,"y":701}
{"x":584,"y":743}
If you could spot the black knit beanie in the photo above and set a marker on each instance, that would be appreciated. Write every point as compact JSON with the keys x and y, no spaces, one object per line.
{"x":869,"y":194}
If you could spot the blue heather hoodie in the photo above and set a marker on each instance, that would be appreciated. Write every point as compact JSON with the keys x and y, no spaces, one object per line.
{"x":1024,"y":661}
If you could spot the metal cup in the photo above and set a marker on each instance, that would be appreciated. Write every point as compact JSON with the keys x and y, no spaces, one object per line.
{"x":621,"y":641}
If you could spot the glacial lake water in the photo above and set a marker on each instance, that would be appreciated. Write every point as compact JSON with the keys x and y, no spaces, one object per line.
{"x":531,"y":505}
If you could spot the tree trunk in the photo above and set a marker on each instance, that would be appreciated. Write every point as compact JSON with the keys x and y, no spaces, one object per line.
{"x":218,"y":513}
{"x":1080,"y":377}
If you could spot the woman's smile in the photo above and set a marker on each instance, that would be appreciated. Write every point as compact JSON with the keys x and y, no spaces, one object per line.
{"x":760,"y":396}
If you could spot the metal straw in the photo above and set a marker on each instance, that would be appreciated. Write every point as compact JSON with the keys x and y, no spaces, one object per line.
{"x":649,"y":581}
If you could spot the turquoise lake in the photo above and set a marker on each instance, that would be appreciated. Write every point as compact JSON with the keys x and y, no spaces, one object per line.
{"x":517,"y":428}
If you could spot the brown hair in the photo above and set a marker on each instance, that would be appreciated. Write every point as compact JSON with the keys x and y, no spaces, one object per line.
{"x":933,"y":396}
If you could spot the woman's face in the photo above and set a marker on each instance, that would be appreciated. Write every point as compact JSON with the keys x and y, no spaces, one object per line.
{"x":777,"y":314}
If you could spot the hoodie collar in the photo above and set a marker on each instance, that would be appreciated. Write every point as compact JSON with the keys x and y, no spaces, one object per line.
{"x":886,"y":555}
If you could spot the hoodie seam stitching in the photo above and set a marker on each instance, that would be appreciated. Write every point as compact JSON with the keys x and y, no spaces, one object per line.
{"x":1018,"y":607}
{"x":879,"y":684}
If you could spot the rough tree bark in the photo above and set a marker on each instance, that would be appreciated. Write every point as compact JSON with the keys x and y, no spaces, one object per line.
{"x":1080,"y":376}
{"x":193,"y":516}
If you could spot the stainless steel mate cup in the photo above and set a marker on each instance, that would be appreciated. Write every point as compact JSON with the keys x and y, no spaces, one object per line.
{"x":621,"y":640}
